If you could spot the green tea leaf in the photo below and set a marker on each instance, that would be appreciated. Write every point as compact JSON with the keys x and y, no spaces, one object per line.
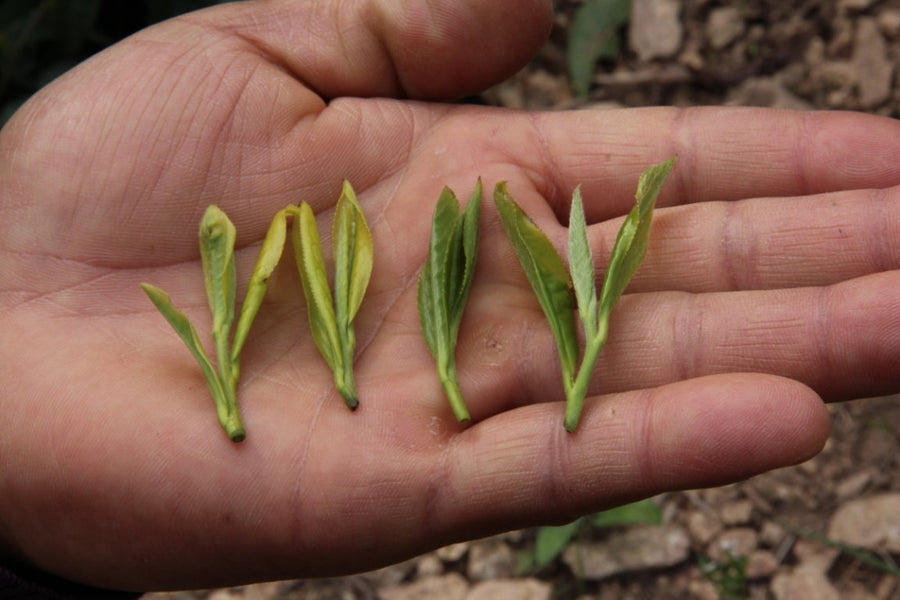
{"x":353,"y":252}
{"x":444,"y":285}
{"x":308,"y":252}
{"x":627,"y":254}
{"x":631,"y":242}
{"x":436,"y":278}
{"x":468,"y":224}
{"x":269,"y":255}
{"x":581,"y":267}
{"x":547,"y":275}
{"x":217,"y":237}
{"x":226,"y":407}
{"x":352,"y":247}
{"x":185,"y":330}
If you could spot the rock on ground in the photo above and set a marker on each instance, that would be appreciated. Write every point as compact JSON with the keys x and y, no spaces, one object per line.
{"x":634,"y":549}
{"x":872,"y":523}
{"x":655,"y":30}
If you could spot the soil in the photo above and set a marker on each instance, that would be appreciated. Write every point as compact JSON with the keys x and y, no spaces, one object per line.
{"x":781,"y":532}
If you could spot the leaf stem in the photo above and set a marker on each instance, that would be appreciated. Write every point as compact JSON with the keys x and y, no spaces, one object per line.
{"x":450,"y":383}
{"x":229,"y":415}
{"x":343,"y":375}
{"x":576,"y":390}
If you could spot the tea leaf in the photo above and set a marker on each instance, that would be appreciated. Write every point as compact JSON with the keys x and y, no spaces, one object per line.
{"x":631,"y":242}
{"x":468,"y":223}
{"x":581,"y":267}
{"x":352,"y":245}
{"x":551,"y":282}
{"x":435,"y":278}
{"x":269,"y":255}
{"x":627,"y":254}
{"x":217,"y":236}
{"x":185,"y":330}
{"x":308,"y":252}
{"x":444,"y":285}
{"x":547,"y":275}
{"x":229,"y":417}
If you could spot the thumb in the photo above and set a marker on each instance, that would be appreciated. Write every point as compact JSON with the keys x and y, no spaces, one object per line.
{"x":427,"y":49}
{"x":101,"y":159}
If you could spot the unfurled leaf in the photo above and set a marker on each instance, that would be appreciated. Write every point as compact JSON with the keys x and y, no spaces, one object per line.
{"x":631,"y":242}
{"x":269,"y":255}
{"x":185,"y":330}
{"x":546,"y":273}
{"x":444,"y":285}
{"x":226,"y":408}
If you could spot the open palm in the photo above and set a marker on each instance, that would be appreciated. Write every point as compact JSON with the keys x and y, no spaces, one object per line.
{"x":113,"y":469}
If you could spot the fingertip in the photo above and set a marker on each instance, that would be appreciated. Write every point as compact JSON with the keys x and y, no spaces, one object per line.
{"x":724,"y":428}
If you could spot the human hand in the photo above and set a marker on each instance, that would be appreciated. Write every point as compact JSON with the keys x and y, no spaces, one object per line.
{"x":771,"y":280}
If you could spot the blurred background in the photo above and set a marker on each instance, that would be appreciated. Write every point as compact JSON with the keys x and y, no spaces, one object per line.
{"x":41,"y":39}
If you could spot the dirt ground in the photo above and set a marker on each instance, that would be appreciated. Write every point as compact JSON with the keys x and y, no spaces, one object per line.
{"x":770,"y":530}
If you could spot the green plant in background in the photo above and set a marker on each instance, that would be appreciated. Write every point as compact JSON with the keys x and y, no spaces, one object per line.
{"x":594,"y":35}
{"x":862,"y":555}
{"x":729,"y":576}
{"x":217,"y":237}
{"x":444,"y":285}
{"x":550,"y":542}
{"x":553,"y":284}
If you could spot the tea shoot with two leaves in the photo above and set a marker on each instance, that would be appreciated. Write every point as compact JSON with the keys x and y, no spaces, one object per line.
{"x":559,"y":291}
{"x":331,"y":318}
{"x":444,"y":285}
{"x":217,"y":236}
